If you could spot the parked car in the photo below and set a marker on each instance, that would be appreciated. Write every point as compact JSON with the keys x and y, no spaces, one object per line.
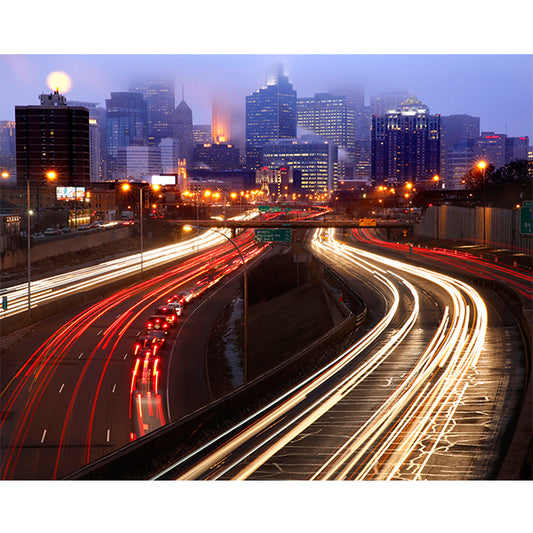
{"x":66,"y":229}
{"x":52,"y":231}
{"x":83,"y":227}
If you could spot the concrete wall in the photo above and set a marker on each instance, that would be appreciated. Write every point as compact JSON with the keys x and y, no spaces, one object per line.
{"x":501,"y":226}
{"x":54,"y":246}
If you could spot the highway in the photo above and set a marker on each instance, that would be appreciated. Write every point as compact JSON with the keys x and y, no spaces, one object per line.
{"x":59,"y":286}
{"x":67,"y":395}
{"x":427,"y":392}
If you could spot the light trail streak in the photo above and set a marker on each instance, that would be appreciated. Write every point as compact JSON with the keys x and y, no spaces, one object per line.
{"x":389,"y":438}
{"x":51,"y":352}
{"x":83,"y":279}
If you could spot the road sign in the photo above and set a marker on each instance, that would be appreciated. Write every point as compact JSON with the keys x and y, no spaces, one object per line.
{"x":527,"y":203}
{"x":273,"y":208}
{"x":4,"y":303}
{"x":526,"y":220}
{"x":273,"y":235}
{"x":367,"y":222}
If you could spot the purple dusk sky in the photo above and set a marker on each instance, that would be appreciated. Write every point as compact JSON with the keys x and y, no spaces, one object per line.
{"x":496,"y":88}
{"x":456,"y":58}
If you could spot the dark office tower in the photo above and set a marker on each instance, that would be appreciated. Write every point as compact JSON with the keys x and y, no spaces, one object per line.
{"x":516,"y":148}
{"x":160,"y":103}
{"x":126,"y":124}
{"x":405,"y":144}
{"x":455,"y":128}
{"x":183,"y":131}
{"x":270,"y":115}
{"x":216,"y":156}
{"x":52,"y":136}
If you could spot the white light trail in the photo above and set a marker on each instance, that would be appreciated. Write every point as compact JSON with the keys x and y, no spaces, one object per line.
{"x":61,"y":285}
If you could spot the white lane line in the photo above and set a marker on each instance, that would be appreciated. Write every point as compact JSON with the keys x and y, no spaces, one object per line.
{"x":43,"y":437}
{"x":80,"y":356}
{"x":108,"y":434}
{"x":125,"y":355}
{"x":61,"y":389}
{"x":114,"y":387}
{"x":100,"y":332}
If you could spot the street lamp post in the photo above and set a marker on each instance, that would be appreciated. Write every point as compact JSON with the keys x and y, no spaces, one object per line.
{"x":482,"y":165}
{"x":127,"y":187}
{"x":51,"y":175}
{"x":245,"y":298}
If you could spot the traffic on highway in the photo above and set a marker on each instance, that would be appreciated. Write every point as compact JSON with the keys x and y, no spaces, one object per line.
{"x":415,"y":397}
{"x":426,"y":390}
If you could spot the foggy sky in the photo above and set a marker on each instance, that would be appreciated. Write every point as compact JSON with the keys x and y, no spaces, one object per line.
{"x":496,"y":88}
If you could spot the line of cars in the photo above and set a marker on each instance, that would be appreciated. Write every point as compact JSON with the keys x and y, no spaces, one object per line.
{"x":149,"y":344}
{"x":146,"y":409}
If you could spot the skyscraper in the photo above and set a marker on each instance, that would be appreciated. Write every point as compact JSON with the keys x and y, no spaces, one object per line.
{"x":95,"y":132}
{"x":183,"y":131}
{"x":405,"y":144}
{"x":7,"y":146}
{"x":455,"y":128}
{"x":312,"y":155}
{"x":325,"y":115}
{"x":52,"y":136}
{"x":270,"y":114}
{"x":127,"y":124}
{"x":160,"y":102}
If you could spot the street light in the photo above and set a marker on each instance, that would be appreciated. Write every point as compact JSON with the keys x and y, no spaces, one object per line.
{"x":126,"y":187}
{"x":482,"y":165}
{"x":51,"y":175}
{"x":245,"y":297}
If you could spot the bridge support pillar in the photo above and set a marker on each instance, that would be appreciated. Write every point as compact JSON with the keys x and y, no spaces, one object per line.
{"x":233,"y":232}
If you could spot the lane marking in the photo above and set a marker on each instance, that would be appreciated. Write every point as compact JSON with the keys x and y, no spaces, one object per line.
{"x":100,"y":332}
{"x":44,"y":435}
{"x":125,"y":355}
{"x":108,"y":434}
{"x":61,"y":389}
{"x":80,"y":356}
{"x":114,"y":387}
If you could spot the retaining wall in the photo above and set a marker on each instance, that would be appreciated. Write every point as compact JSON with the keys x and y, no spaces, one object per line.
{"x":499,"y":228}
{"x":54,"y":246}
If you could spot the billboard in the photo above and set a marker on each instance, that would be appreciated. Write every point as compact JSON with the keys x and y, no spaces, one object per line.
{"x":164,"y":180}
{"x":70,"y":193}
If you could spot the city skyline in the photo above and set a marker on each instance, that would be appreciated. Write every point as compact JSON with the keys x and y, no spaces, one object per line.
{"x":496,"y":88}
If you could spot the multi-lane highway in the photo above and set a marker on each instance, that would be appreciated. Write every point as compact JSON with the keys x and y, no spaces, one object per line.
{"x":67,"y":389}
{"x":427,"y":392}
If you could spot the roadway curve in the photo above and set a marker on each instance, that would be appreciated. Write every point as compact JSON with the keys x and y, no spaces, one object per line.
{"x":427,"y":392}
{"x":66,"y":386}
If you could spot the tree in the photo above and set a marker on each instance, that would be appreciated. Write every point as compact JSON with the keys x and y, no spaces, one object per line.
{"x":506,"y":186}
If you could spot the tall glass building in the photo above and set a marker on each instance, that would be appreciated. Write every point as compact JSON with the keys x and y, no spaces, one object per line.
{"x":160,"y":102}
{"x":326,"y":115}
{"x":271,"y":114}
{"x":405,"y":144}
{"x":127,"y":123}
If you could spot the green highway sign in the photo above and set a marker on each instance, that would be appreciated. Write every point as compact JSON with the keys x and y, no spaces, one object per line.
{"x":273,"y":235}
{"x":526,"y":220}
{"x":273,"y":208}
